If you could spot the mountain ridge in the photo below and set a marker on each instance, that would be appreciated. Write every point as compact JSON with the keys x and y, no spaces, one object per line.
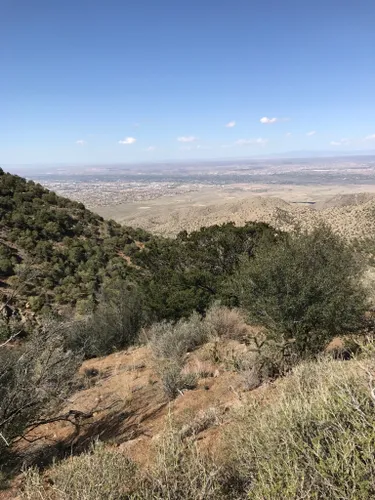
{"x":53,"y":251}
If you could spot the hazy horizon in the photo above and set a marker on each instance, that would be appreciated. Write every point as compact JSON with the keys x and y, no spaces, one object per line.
{"x":290,"y":155}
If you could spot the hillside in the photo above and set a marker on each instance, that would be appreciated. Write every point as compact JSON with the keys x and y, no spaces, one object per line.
{"x":57,"y":258}
{"x":351,"y":216}
{"x":54,"y":253}
{"x":190,"y":359}
{"x":218,"y":438}
{"x":344,"y":200}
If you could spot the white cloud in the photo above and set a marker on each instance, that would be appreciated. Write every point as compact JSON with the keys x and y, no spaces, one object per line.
{"x":189,"y":138}
{"x":151,"y":148}
{"x":370,"y":137}
{"x":81,"y":142}
{"x":341,"y":142}
{"x":128,"y":140}
{"x":267,"y":120}
{"x":231,"y":124}
{"x":249,"y":142}
{"x":288,"y":134}
{"x":310,"y":134}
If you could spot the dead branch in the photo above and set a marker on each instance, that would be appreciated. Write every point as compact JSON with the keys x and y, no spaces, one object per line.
{"x":74,"y":417}
{"x":12,"y":337}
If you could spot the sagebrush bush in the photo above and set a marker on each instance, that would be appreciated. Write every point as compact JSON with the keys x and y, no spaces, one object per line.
{"x":170,"y":342}
{"x":203,"y":420}
{"x":314,"y":439}
{"x":221,"y":321}
{"x":174,"y":340}
{"x":35,"y":378}
{"x":173,"y":378}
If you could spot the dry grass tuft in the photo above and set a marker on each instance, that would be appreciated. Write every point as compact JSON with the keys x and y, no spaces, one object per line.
{"x":200,"y":368}
{"x":103,"y":473}
{"x":181,"y":471}
{"x":202,"y":421}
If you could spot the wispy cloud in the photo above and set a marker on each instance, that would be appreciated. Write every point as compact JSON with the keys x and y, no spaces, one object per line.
{"x":370,"y":137}
{"x":288,"y":134}
{"x":80,"y":142}
{"x":231,"y":124}
{"x":268,"y":121}
{"x":248,"y":142}
{"x":341,"y":142}
{"x":128,"y":140}
{"x":189,"y":138}
{"x":151,"y":148}
{"x":311,"y":133}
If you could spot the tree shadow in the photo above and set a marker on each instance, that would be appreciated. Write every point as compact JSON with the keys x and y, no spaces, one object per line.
{"x":43,"y":452}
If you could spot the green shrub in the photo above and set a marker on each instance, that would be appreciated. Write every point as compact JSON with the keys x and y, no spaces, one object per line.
{"x":115,"y":324}
{"x":305,"y":290}
{"x":186,"y":273}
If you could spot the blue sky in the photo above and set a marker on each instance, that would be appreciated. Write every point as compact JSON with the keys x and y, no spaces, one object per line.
{"x":120,"y":81}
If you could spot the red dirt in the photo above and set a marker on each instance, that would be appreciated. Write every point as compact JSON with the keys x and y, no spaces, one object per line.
{"x":130,"y":409}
